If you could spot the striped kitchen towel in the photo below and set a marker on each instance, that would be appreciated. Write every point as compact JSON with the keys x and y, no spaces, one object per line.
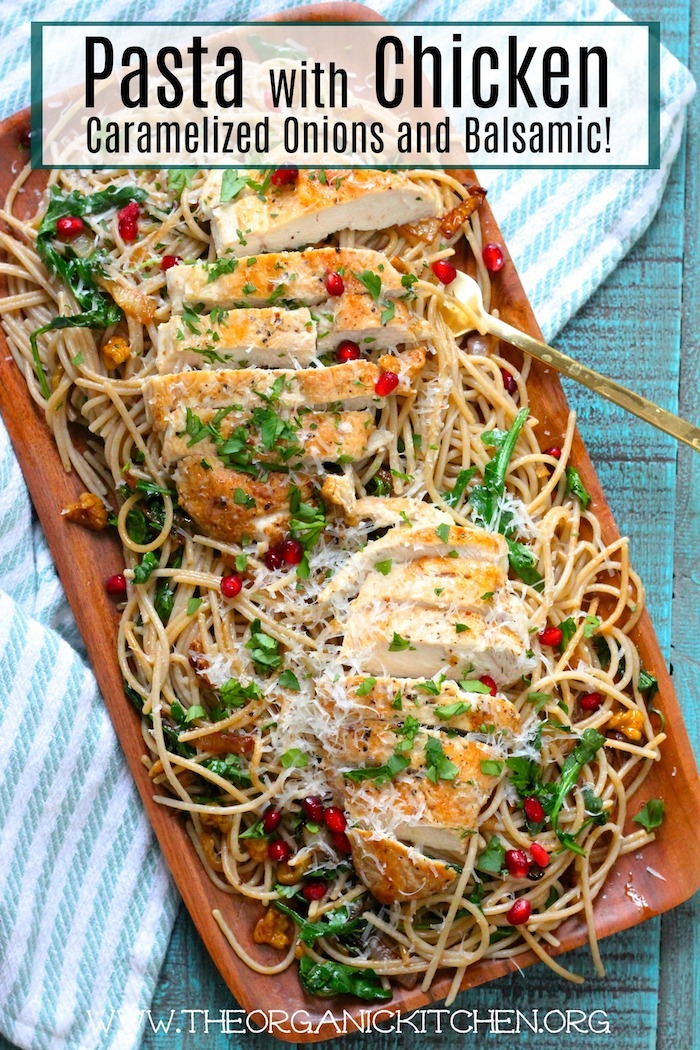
{"x":86,"y":905}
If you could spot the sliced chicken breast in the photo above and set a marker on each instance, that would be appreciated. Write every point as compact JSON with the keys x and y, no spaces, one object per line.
{"x":393,"y":871}
{"x":340,"y":491}
{"x":319,"y":204}
{"x":297,"y":278}
{"x":369,"y":323}
{"x":405,"y":543}
{"x":427,"y":806}
{"x":356,"y":700}
{"x":434,"y":583}
{"x":168,"y":396}
{"x":218,"y":500}
{"x":413,"y":642}
{"x":271,"y":338}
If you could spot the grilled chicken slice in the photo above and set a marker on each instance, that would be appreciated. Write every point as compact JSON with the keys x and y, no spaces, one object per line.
{"x":412,"y":641}
{"x":369,"y":323}
{"x":319,"y":204}
{"x":271,"y":338}
{"x":416,"y":540}
{"x":432,"y":702}
{"x":339,"y":490}
{"x":291,"y":277}
{"x":393,"y":871}
{"x":351,"y":384}
{"x":217,"y":498}
{"x":428,"y":806}
{"x":453,"y":585}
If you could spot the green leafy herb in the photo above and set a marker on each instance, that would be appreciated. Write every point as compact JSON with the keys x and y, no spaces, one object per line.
{"x":492,"y":860}
{"x":335,"y":923}
{"x":473,"y":685}
{"x":484,"y":498}
{"x":491,"y":768}
{"x":294,"y":759}
{"x":437,"y":764}
{"x":454,"y":496}
{"x":229,"y":768}
{"x":221,"y":267}
{"x":522,"y":561}
{"x":448,"y":711}
{"x":288,"y":680}
{"x":379,"y":774}
{"x":443,"y":532}
{"x":234,"y":694}
{"x":193,"y":712}
{"x":591,"y":625}
{"x":164,"y":599}
{"x":231,"y":184}
{"x":388,"y":311}
{"x":584,"y":752}
{"x":335,"y":978}
{"x":383,"y":566}
{"x":575,"y":487}
{"x":568,"y":630}
{"x":651,"y":815}
{"x":399,"y":644}
{"x":263,"y":649}
{"x":242,"y":499}
{"x":647,"y":684}
{"x":143,"y":570}
{"x":372,"y":282}
{"x":192,"y":605}
{"x":180,"y":178}
{"x":366,"y":687}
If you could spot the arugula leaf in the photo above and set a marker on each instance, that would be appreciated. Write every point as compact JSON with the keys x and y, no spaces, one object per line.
{"x":164,"y":599}
{"x":492,"y":860}
{"x":651,"y":815}
{"x":263,"y":649}
{"x":584,"y":752}
{"x":647,"y":684}
{"x":484,"y":498}
{"x":288,"y":680}
{"x":335,"y":978}
{"x":437,"y":764}
{"x":575,"y":487}
{"x":454,"y":496}
{"x":568,"y":630}
{"x":522,"y":561}
{"x":230,"y":769}
{"x":143,"y":570}
{"x":379,"y":774}
{"x":80,"y":273}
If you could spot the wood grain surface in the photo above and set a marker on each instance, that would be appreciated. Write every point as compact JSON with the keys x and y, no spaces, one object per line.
{"x":633,"y":328}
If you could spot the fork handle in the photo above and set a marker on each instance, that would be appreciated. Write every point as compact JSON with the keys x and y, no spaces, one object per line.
{"x":659,"y":417}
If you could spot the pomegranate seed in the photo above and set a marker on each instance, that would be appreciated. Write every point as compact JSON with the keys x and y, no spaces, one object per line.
{"x":274,"y":558}
{"x":130,"y":211}
{"x":554,"y":452}
{"x":334,"y":819}
{"x":533,"y":810}
{"x":128,"y":230}
{"x":271,"y":821}
{"x":315,"y":889}
{"x":387,"y":382}
{"x":284,"y":176}
{"x":25,"y":137}
{"x":347,"y":351}
{"x":68,"y":227}
{"x":116,"y":585}
{"x":313,"y":809}
{"x":279,"y":850}
{"x":292,"y":551}
{"x":550,"y":636}
{"x":519,"y":912}
{"x":539,"y":854}
{"x":231,"y":585}
{"x":341,"y":842}
{"x":444,"y":271}
{"x":168,"y":261}
{"x":335,"y":285}
{"x":591,"y":701}
{"x":509,"y":383}
{"x":493,"y":257}
{"x":517,"y":863}
{"x":488,"y":681}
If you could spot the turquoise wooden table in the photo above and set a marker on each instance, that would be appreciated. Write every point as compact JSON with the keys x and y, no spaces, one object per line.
{"x":641,"y":328}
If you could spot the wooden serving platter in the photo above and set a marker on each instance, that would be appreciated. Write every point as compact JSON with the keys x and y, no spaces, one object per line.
{"x":85,"y":559}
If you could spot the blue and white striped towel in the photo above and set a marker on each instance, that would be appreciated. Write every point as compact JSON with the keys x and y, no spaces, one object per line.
{"x":86,"y":905}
